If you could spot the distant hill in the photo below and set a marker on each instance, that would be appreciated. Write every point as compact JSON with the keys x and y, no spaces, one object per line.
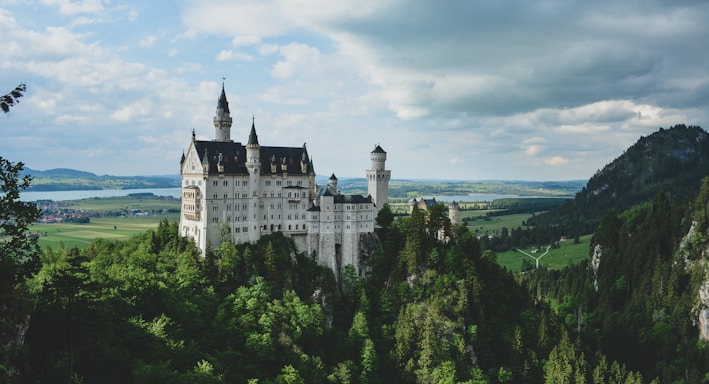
{"x":64,"y":179}
{"x":672,"y":160}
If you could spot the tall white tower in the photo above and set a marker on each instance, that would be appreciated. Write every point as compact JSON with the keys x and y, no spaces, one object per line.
{"x":253,"y":162}
{"x":378,"y":178}
{"x":222,"y":119}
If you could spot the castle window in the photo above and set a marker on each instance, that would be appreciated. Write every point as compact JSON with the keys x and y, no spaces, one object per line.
{"x":228,"y":207}
{"x":268,"y":182}
{"x":278,"y":183}
{"x":246,"y":183}
{"x":215,"y":196}
{"x":215,"y":219}
{"x":290,"y":227}
{"x":237,"y":230}
{"x":271,"y":194}
{"x":214,"y":183}
{"x":300,"y":182}
{"x":228,"y":219}
{"x":225,"y":196}
{"x":215,"y":208}
{"x":226,"y":183}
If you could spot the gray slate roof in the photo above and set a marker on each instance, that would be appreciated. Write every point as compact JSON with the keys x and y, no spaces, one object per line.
{"x":233,"y":156}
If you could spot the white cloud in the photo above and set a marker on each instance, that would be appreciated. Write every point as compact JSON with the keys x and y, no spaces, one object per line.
{"x":148,"y":41}
{"x":68,"y":7}
{"x":556,"y":160}
{"x":245,"y":41}
{"x":229,"y":55}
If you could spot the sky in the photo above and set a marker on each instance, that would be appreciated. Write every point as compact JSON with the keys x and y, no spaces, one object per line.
{"x":458,"y":90}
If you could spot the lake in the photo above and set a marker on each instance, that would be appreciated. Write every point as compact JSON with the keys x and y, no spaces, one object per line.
{"x":176,"y":192}
{"x":88,"y":194}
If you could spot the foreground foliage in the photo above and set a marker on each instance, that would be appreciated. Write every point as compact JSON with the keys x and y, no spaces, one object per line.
{"x":153,"y":310}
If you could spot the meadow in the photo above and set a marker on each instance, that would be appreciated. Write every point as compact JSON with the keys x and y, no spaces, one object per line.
{"x":568,"y":253}
{"x":109,"y":228}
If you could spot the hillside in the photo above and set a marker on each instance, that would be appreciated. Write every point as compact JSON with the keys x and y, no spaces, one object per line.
{"x":64,"y":179}
{"x":672,"y":160}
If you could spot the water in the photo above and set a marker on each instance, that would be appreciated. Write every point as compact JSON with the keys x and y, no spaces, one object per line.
{"x":88,"y":194}
{"x":176,"y":192}
{"x":476,"y":197}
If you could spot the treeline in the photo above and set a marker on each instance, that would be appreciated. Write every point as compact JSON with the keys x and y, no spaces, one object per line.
{"x":153,"y":310}
{"x":638,"y":303}
{"x":508,"y":239}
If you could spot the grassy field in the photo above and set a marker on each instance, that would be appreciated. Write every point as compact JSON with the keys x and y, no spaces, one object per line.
{"x":495,"y":223}
{"x":109,"y":228}
{"x":118,"y":203}
{"x":568,"y":253}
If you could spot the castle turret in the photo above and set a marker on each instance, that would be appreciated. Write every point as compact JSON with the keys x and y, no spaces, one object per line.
{"x":453,"y":213}
{"x":222,"y":119}
{"x":332,"y":184}
{"x":378,"y":178}
{"x":253,"y":164}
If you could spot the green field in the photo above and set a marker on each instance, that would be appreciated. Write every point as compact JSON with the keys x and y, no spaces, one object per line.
{"x":568,"y":253}
{"x":123,"y":228}
{"x":118,"y":203}
{"x":493,"y":225}
{"x":80,"y":235}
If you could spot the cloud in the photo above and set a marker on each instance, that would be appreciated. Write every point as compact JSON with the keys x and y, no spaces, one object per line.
{"x":68,"y":7}
{"x":556,"y":160}
{"x":148,"y":41}
{"x":229,"y":55}
{"x":245,"y":41}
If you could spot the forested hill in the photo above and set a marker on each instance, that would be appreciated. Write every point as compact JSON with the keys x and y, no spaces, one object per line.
{"x":671,"y":160}
{"x":64,"y":179}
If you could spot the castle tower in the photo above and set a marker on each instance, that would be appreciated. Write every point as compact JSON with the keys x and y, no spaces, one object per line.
{"x":378,"y":178}
{"x":253,"y":162}
{"x":222,"y":119}
{"x":332,"y":184}
{"x":453,"y":213}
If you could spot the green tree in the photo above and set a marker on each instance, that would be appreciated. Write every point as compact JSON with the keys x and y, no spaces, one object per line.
{"x":12,"y":98}
{"x":19,"y":258}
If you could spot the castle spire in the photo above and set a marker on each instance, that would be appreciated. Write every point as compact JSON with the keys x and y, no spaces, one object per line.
{"x":253,"y":138}
{"x":222,"y":119}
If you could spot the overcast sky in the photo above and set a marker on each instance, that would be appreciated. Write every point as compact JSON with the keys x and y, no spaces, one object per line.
{"x":467,"y":90}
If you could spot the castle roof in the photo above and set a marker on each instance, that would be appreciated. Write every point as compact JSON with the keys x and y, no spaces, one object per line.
{"x":378,"y":149}
{"x":253,"y":138}
{"x":233,"y":157}
{"x":343,"y":199}
{"x":222,"y":103}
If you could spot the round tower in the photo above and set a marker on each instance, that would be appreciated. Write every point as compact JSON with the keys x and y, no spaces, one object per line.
{"x":253,"y":164}
{"x":222,"y":119}
{"x":332,"y":184}
{"x":378,"y":178}
{"x":453,"y":212}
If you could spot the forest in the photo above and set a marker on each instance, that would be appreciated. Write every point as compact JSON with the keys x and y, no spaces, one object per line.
{"x":153,"y":310}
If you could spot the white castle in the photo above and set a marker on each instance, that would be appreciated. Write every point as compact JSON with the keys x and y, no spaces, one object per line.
{"x":235,"y":192}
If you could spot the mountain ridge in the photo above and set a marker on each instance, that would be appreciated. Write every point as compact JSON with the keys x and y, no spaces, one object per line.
{"x":672,"y":160}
